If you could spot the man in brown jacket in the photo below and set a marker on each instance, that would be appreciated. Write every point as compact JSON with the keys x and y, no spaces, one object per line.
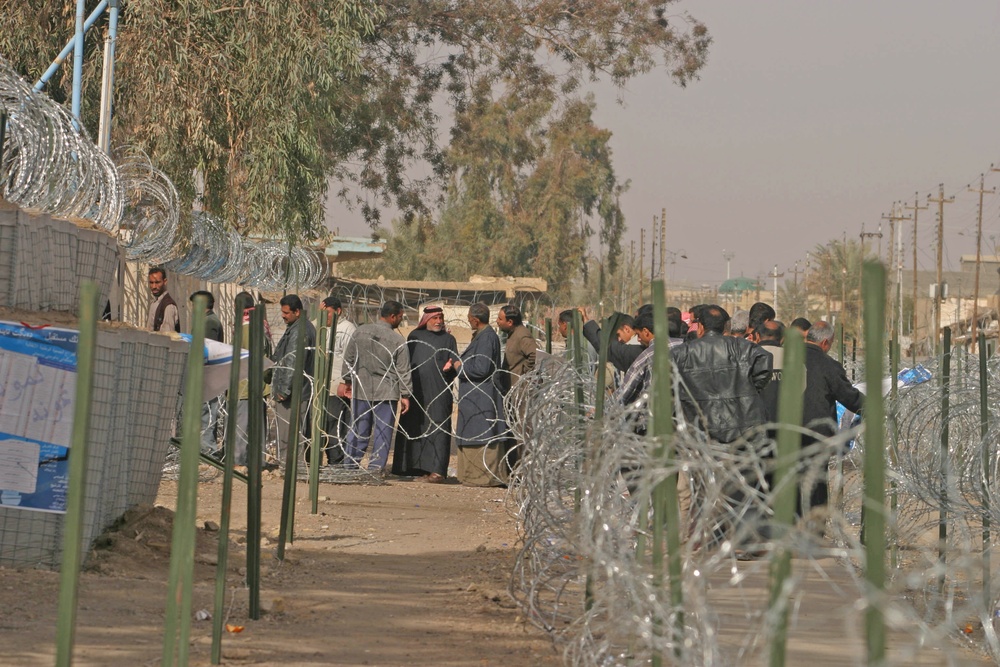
{"x":519,"y":353}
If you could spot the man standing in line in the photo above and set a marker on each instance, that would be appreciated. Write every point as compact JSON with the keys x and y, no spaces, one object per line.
{"x":724,"y":377}
{"x":826,"y":384}
{"x":520,"y":353}
{"x":210,"y":408}
{"x":640,"y":373}
{"x":377,"y":371}
{"x":284,"y":367}
{"x":771,"y":334}
{"x":213,"y":325}
{"x":623,"y":349}
{"x":521,"y":347}
{"x":589,"y":351}
{"x":482,"y":430}
{"x":163,"y":313}
{"x":739,"y":323}
{"x":337,"y":410}
{"x":760,"y":312}
{"x":722,"y":380}
{"x":423,"y":443}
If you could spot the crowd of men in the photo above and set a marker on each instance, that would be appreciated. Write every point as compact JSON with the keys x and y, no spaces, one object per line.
{"x":730,"y":370}
{"x":390,"y":393}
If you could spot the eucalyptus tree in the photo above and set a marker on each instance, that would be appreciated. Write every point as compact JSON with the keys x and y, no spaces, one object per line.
{"x":254,"y":106}
{"x":229,"y":99}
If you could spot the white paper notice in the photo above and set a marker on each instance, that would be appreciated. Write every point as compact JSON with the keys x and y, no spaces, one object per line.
{"x":18,"y":465}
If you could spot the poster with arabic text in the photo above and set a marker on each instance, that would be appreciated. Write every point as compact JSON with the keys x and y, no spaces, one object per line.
{"x":37,"y":383}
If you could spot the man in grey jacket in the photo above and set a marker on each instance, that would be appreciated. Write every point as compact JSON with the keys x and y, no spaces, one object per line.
{"x":377,"y":370}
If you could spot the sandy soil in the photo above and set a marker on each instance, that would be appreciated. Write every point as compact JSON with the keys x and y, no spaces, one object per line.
{"x":399,"y":574}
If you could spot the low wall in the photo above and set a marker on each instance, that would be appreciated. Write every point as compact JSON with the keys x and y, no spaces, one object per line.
{"x":138,"y":378}
{"x":43,"y":259}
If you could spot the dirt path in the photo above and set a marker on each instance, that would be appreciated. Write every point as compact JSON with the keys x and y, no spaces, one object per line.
{"x":400,"y":574}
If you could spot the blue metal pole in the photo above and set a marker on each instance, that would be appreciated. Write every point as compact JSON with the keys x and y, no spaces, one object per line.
{"x":108,"y":80}
{"x":78,"y":59}
{"x":54,"y":67}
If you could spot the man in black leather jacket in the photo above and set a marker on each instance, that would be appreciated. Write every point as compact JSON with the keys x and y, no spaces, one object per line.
{"x":723,"y":379}
{"x":826,"y":385}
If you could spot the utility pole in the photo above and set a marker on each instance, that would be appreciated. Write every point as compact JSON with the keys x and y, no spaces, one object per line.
{"x":663,"y":242}
{"x":895,"y":255}
{"x":642,"y":264}
{"x":774,"y":274}
{"x":795,"y":273}
{"x":979,"y":257}
{"x":916,"y":208}
{"x":652,"y":253}
{"x":940,"y":201}
{"x":795,"y":277}
{"x":628,"y":297}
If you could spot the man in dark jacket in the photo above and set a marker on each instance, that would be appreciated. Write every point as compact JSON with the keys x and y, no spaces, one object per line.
{"x":826,"y":384}
{"x":622,"y":350}
{"x":284,"y":366}
{"x":723,"y":378}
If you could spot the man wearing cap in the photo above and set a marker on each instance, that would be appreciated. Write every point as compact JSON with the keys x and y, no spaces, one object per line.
{"x":423,"y":443}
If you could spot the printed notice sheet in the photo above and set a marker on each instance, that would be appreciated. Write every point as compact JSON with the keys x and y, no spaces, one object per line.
{"x":37,"y":384}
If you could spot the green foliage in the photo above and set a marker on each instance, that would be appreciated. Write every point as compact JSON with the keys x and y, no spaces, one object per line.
{"x":793,"y":301}
{"x":426,"y":49}
{"x":238,"y":95}
{"x":525,"y":193}
{"x":260,"y":104}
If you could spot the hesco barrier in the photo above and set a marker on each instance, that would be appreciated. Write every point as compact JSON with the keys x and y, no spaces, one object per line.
{"x":138,"y":377}
{"x":43,"y":259}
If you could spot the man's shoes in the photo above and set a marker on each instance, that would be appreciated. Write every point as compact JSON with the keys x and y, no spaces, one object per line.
{"x":433,"y":478}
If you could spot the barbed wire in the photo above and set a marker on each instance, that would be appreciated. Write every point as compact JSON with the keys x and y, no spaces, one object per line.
{"x":49,"y":164}
{"x":582,"y":494}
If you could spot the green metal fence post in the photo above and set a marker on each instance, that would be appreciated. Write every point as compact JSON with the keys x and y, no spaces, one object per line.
{"x":945,"y":416}
{"x":73,"y":520}
{"x":177,"y":628}
{"x":786,"y":486}
{"x":874,"y":459}
{"x":232,"y":406}
{"x":256,"y":425}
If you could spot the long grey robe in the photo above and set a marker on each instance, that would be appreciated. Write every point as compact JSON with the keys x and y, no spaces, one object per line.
{"x":423,"y":443}
{"x":480,"y":401}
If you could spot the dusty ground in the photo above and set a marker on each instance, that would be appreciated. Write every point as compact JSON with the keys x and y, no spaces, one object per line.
{"x":400,"y":574}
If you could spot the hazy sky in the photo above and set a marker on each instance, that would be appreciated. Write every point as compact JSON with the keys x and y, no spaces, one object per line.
{"x":810,"y":119}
